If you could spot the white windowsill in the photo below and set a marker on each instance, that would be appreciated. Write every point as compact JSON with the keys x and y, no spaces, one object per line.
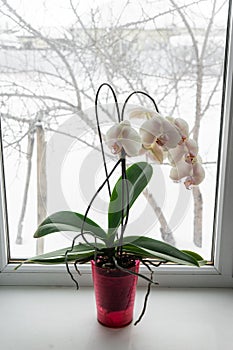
{"x":45,"y":318}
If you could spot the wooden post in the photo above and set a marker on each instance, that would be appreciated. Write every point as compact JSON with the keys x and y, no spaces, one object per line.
{"x":41,"y":183}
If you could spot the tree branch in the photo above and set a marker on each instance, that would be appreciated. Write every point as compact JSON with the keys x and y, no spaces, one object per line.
{"x":30,"y":148}
{"x":166,"y":232}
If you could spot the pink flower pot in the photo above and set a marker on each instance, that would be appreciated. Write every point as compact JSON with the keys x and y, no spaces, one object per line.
{"x":115,"y":294}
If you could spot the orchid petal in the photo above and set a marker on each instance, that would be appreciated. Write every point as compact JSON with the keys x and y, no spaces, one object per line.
{"x":192,"y":147}
{"x":176,"y":154}
{"x":131,"y":141}
{"x":183,"y":127}
{"x":181,"y":170}
{"x":152,"y":127}
{"x":142,"y":113}
{"x":111,"y":138}
{"x":113,"y":133}
{"x":198,"y":173}
{"x":172,"y":134}
{"x":147,"y":138}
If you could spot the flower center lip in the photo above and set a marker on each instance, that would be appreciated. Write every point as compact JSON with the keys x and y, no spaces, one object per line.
{"x":116,"y":148}
{"x":183,"y":139}
{"x":160,"y":143}
{"x":161,"y":140}
{"x":191,"y":158}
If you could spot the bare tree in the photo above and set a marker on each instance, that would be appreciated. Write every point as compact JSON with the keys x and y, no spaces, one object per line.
{"x":200,"y":55}
{"x":66,"y":69}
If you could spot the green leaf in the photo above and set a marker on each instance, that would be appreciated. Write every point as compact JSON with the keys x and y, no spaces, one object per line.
{"x":139,"y":252}
{"x":80,"y":251}
{"x":196,"y":256}
{"x":68,"y":221}
{"x":158,"y":249}
{"x":138,"y":176}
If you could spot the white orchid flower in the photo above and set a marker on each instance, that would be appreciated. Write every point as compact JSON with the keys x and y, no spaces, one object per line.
{"x":123,"y":136}
{"x":187,"y":149}
{"x":159,"y":135}
{"x":193,"y":173}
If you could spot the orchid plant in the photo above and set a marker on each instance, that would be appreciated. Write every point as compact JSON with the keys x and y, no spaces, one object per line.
{"x":158,"y":138}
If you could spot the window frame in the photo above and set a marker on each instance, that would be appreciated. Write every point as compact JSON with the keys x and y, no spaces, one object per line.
{"x":220,"y":274}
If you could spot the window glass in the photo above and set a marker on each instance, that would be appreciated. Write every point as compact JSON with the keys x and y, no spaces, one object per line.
{"x":54,"y":55}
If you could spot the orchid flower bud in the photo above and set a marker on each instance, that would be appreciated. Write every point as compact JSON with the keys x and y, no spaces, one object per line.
{"x":194,"y":173}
